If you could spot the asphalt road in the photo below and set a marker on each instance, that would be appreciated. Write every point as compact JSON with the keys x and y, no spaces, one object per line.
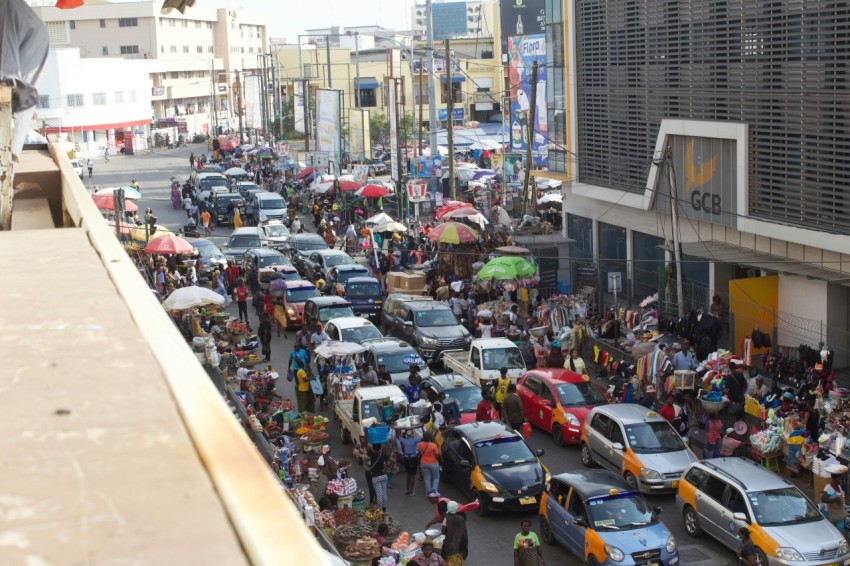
{"x":491,"y":538}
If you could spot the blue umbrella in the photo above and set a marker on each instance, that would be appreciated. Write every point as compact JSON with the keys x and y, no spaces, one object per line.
{"x":483,"y":173}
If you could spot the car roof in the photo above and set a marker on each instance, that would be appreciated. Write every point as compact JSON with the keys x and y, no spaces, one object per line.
{"x":629,"y":413}
{"x":251,"y":230}
{"x":427,"y":305}
{"x":328,"y":251}
{"x":362,"y":280}
{"x":495,"y":343}
{"x":208,"y":174}
{"x":556,"y":375}
{"x":324,"y":301}
{"x":298,"y":237}
{"x":449,"y":380}
{"x":746,"y":473}
{"x":594,"y":483}
{"x":477,"y":432}
{"x":267,"y":194}
{"x":264,"y":251}
{"x":299,"y":284}
{"x":345,"y":322}
{"x":228,"y":195}
{"x":387,"y":344}
{"x":199,"y":241}
{"x":405,"y":297}
{"x":350,"y":266}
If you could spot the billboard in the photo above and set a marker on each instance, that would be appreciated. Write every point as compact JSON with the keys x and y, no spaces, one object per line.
{"x":514,"y":169}
{"x":523,"y":51}
{"x":427,"y":166}
{"x":298,"y":106}
{"x":252,"y":103}
{"x":522,"y":17}
{"x":359,"y":144}
{"x":328,"y":124}
{"x":392,"y":108}
{"x":706,"y":179}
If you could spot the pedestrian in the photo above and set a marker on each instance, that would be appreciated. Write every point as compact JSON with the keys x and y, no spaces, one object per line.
{"x":192,"y":160}
{"x":668,"y":411}
{"x":747,"y":552}
{"x":502,"y":384}
{"x":712,"y":437}
{"x":90,"y":165}
{"x":377,"y":463}
{"x":303,"y":394}
{"x":429,"y":462}
{"x":649,"y":397}
{"x":512,"y":409}
{"x":368,"y":376}
{"x":575,"y":363}
{"x":384,"y":377}
{"x":241,"y":295}
{"x":833,"y":497}
{"x":485,"y":410}
{"x":298,"y":359}
{"x":194,"y":212}
{"x":684,"y":358}
{"x":407,"y":446}
{"x":413,"y":389}
{"x":427,"y":557}
{"x":527,"y":550}
{"x":264,"y":332}
{"x":456,"y":543}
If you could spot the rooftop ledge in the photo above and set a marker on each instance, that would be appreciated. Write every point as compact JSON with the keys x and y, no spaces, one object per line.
{"x":116,"y":447}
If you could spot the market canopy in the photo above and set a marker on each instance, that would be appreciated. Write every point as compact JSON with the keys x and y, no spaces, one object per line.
{"x":169,"y":245}
{"x":107,"y":202}
{"x":390,"y":227}
{"x":307,"y":171}
{"x":236,"y":172}
{"x":507,"y":267}
{"x":372,"y":191}
{"x":190,"y":297}
{"x":137,"y":233}
{"x":380,"y":218}
{"x":346,"y":186}
{"x":448,"y":206}
{"x":332,"y":348}
{"x":130,"y":193}
{"x":453,"y":233}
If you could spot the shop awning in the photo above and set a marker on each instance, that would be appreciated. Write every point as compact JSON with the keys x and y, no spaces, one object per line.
{"x":455,"y":78}
{"x":727,"y":253}
{"x":365,"y":83}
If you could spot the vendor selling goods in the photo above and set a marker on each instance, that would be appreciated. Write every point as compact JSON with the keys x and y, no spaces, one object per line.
{"x":832,"y":497}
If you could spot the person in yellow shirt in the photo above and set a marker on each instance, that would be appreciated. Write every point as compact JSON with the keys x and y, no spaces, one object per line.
{"x":502,"y":384}
{"x":303,"y":393}
{"x":205,"y":222}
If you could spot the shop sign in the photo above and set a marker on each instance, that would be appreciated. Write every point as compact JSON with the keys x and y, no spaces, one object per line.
{"x":417,"y":190}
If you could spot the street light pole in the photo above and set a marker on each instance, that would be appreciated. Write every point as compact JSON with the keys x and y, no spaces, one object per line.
{"x":432,"y":94}
{"x":357,"y":66}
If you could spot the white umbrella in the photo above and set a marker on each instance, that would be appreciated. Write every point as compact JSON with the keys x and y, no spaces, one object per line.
{"x":332,"y":348}
{"x":442,"y":149}
{"x":380,"y":218}
{"x":548,"y":184}
{"x":322,"y":188}
{"x":390,"y":227}
{"x":465,"y":174}
{"x":485,"y":144}
{"x":236,"y":172}
{"x":189,"y":297}
{"x":551,"y":197}
{"x":129,"y":192}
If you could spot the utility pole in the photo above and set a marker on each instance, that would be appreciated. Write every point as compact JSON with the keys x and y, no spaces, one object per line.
{"x":450,"y":106}
{"x":530,"y":192}
{"x":305,"y":97}
{"x":419,"y":96}
{"x":212,"y":99}
{"x":328,"y":55}
{"x":674,"y":212}
{"x":239,"y":102}
{"x":432,"y":94}
{"x":357,"y":66}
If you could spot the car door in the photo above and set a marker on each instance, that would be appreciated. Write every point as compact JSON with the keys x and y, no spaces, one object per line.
{"x":556,"y":503}
{"x":734,"y":501}
{"x":310,"y":313}
{"x":597,"y":436}
{"x":406,"y":330}
{"x":709,"y":500}
{"x":529,"y":394}
{"x":615,"y":455}
{"x":573,"y":533}
{"x":466,"y":463}
{"x":546,"y":403}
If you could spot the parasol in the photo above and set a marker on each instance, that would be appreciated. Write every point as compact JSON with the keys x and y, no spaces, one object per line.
{"x":130,"y":193}
{"x":106,"y":202}
{"x":485,"y":145}
{"x":348,"y":186}
{"x":380,"y":218}
{"x":372,"y":191}
{"x":305,"y":172}
{"x":507,"y":267}
{"x":332,"y":348}
{"x":169,"y":245}
{"x":236,"y":172}
{"x":448,"y":207}
{"x":513,"y":250}
{"x":189,"y":297}
{"x":137,"y":233}
{"x":390,"y":227}
{"x":453,"y":233}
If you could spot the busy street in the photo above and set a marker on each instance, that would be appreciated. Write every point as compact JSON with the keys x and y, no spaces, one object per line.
{"x":490,"y":537}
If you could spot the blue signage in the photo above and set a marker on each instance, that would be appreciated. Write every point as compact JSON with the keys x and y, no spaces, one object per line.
{"x":457,"y":114}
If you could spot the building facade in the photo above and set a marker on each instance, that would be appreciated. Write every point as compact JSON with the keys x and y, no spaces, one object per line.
{"x":457,"y":18}
{"x":733,"y":114}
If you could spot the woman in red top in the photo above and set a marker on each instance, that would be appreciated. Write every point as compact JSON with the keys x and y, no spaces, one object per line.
{"x":485,"y":410}
{"x":668,"y":411}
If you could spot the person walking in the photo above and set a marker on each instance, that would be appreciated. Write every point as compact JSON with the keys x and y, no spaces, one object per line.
{"x":205,"y":222}
{"x":240,"y":293}
{"x":264,"y":332}
{"x":90,"y":165}
{"x":747,"y":552}
{"x":527,"y":550}
{"x":512,"y":409}
{"x":192,"y":160}
{"x":378,"y":462}
{"x":456,"y":543}
{"x":429,"y":462}
{"x":407,"y":447}
{"x":502,"y":384}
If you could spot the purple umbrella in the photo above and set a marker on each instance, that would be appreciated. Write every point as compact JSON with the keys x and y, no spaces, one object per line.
{"x":483,"y":173}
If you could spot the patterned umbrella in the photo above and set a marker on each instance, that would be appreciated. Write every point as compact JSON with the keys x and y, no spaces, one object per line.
{"x":448,"y":206}
{"x":305,"y":172}
{"x":507,"y":267}
{"x":169,"y":245}
{"x":372,"y":191}
{"x":106,"y":202}
{"x":453,"y":233}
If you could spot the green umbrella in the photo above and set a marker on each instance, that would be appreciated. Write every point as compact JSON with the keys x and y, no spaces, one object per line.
{"x":508,"y":267}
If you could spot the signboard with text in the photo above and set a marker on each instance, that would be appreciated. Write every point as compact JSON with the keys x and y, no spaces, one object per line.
{"x":523,"y":52}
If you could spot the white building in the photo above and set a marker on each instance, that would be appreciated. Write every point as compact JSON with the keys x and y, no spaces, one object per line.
{"x":95,"y":102}
{"x":457,"y":19}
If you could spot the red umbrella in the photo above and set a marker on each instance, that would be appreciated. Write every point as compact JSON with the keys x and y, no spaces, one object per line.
{"x":372,"y":191}
{"x":106,"y":202}
{"x":305,"y":172}
{"x":169,"y":245}
{"x":448,"y":207}
{"x":453,"y":233}
{"x":348,"y":185}
{"x":460,"y":212}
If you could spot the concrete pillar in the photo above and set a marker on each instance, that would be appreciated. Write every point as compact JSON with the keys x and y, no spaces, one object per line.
{"x":110,"y":140}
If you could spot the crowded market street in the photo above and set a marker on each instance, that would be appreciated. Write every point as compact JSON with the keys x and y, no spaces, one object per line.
{"x":491,"y":537}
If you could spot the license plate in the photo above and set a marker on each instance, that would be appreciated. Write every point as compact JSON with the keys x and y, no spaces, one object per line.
{"x":527,"y":500}
{"x":674,"y":484}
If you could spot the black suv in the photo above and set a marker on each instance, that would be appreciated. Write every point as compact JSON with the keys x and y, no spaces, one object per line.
{"x":222,"y":202}
{"x":429,"y":326}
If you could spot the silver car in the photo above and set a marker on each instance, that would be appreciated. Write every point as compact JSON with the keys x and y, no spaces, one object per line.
{"x":242,"y":240}
{"x":719,"y":496}
{"x":637,"y":444}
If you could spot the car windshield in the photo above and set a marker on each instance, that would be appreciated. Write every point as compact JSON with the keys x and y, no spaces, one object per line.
{"x":278,"y":259}
{"x":301,"y":294}
{"x":213,"y":182}
{"x":309,"y":245}
{"x":620,"y":512}
{"x":292,"y":275}
{"x":223,"y":201}
{"x":395,"y":362}
{"x":209,"y":251}
{"x":436,"y":317}
{"x":496,"y":358}
{"x":360,"y":333}
{"x":277,"y":231}
{"x":579,"y":394}
{"x":267,"y":203}
{"x":653,"y":438}
{"x":363,"y":290}
{"x":785,"y":506}
{"x":467,"y":397}
{"x":341,"y":259}
{"x":244,"y":242}
{"x":502,"y":452}
{"x":336,"y":311}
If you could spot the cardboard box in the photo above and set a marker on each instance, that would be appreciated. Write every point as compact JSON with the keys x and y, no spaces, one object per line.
{"x":413,"y":283}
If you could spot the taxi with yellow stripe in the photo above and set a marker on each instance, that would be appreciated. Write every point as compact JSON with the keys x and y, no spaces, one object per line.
{"x":719,"y":496}
{"x":491,"y":463}
{"x":598,"y":517}
{"x":637,"y":444}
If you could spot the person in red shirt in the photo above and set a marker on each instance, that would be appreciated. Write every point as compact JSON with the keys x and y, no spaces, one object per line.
{"x":668,"y":411}
{"x":232,"y":272}
{"x":485,"y":410}
{"x":240,"y":293}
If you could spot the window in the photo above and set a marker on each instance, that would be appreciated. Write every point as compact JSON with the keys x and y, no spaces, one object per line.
{"x":57,"y":33}
{"x":132,"y":97}
{"x":612,"y":249}
{"x":210,"y":49}
{"x":174,"y":49}
{"x":119,"y":97}
{"x":184,"y":23}
{"x":163,"y":76}
{"x":162,"y":49}
{"x":580,"y":229}
{"x":559,"y":491}
{"x":72,"y":24}
{"x":714,"y":488}
{"x":103,"y":23}
{"x":185,"y":49}
{"x":128,"y":22}
{"x":648,"y":262}
{"x":546,"y":395}
{"x":368,"y":98}
{"x":104,"y":51}
{"x":187,"y":74}
{"x":601,"y":424}
{"x":43,"y":101}
{"x":576,"y":508}
{"x":532,"y":384}
{"x":735,"y":501}
{"x":171,"y":22}
{"x":308,"y":70}
{"x":695,"y":477}
{"x":175,"y":74}
{"x":199,"y":49}
{"x":129,"y":50}
{"x":75,"y":100}
{"x":98,"y":98}
{"x":475,"y":357}
{"x":197,"y":24}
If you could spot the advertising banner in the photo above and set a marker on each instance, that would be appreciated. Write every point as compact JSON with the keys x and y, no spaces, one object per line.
{"x":523,"y":51}
{"x":522,"y":17}
{"x":252,"y":103}
{"x":359,"y":144}
{"x":393,"y":112}
{"x":417,"y":190}
{"x":328,"y":123}
{"x":298,"y":105}
{"x":514,"y":169}
{"x":427,"y":166}
{"x":319,"y":161}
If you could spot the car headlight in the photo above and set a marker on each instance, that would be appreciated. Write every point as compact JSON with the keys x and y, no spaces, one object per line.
{"x":489,"y":487}
{"x":843,"y":547}
{"x":467,"y":339}
{"x":649,"y":474}
{"x":548,"y":477}
{"x":571,"y":419}
{"x":429,"y":341}
{"x":671,"y":545}
{"x":290,"y":311}
{"x":788,"y":553}
{"x":614,"y":553}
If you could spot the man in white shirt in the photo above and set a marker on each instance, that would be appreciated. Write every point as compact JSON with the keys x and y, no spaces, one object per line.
{"x":437,"y":416}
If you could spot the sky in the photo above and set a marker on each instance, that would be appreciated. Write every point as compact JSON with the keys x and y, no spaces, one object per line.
{"x":288,"y":18}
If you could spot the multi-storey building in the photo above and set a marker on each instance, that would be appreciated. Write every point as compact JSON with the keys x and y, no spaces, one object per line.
{"x":457,"y":18}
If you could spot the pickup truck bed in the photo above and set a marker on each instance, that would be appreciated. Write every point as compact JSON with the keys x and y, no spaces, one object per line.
{"x":458,"y":362}
{"x":343,"y":409}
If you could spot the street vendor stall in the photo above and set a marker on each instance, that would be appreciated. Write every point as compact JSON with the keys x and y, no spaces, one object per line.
{"x":340,"y":358}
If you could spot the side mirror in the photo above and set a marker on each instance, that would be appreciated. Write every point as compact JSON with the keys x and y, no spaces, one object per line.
{"x":617,"y":446}
{"x":580,"y":522}
{"x":657,"y":509}
{"x":540,"y":452}
{"x":741,"y":517}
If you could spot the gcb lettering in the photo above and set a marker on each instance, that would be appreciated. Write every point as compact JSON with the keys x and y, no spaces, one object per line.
{"x":705,"y":202}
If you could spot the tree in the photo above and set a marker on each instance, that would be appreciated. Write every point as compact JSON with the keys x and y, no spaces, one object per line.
{"x":379,"y":129}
